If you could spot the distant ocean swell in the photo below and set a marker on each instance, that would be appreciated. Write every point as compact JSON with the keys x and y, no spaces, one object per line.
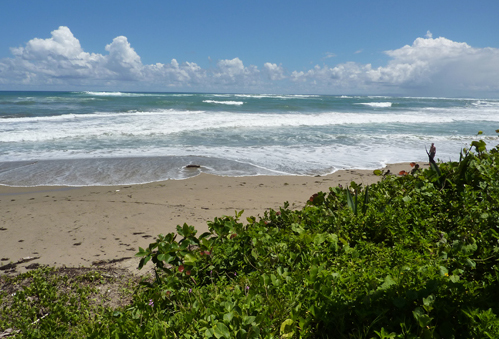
{"x":105,"y":138}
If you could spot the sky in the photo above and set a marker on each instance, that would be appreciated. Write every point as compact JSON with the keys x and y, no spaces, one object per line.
{"x":411,"y":48}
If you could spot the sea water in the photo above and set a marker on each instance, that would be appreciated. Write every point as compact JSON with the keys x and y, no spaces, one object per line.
{"x":109,"y":138}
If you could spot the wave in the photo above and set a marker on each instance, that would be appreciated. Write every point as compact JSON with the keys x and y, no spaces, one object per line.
{"x":277,"y":96}
{"x":110,"y":94}
{"x":235,"y":103}
{"x":267,"y":96}
{"x":97,"y":115}
{"x":156,"y":124}
{"x":376,"y":104}
{"x":485,"y":103}
{"x":127,"y":94}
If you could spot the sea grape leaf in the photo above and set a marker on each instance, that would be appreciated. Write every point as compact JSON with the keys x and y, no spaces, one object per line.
{"x":228,"y":317}
{"x":221,"y":331}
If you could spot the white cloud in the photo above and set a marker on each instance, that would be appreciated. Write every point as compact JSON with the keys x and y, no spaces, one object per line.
{"x":123,"y":60}
{"x":233,"y":72}
{"x":62,"y":45}
{"x":439,"y":66}
{"x":434,"y":63}
{"x":329,"y":55}
{"x":274,"y":72}
{"x":430,"y":66}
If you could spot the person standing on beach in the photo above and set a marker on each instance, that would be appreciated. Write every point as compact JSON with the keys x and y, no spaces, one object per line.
{"x":433,"y":151}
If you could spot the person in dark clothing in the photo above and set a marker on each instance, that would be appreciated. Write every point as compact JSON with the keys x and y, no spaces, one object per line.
{"x":431,"y":154}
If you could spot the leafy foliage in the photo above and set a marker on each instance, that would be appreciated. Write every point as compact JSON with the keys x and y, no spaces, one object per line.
{"x":413,"y":256}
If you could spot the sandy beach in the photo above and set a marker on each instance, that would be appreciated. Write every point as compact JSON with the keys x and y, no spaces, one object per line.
{"x":85,"y":226}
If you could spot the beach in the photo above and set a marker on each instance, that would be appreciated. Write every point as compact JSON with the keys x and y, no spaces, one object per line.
{"x":99,"y":225}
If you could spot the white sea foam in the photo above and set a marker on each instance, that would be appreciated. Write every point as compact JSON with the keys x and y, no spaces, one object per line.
{"x":375,"y":104}
{"x":236,"y":103}
{"x":104,"y":93}
{"x":167,"y":122}
{"x":134,"y":95}
{"x":277,"y":96}
{"x":125,"y":167}
{"x":486,"y":103}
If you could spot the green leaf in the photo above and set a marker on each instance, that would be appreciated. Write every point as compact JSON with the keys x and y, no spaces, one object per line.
{"x":421,"y":317}
{"x":470,"y":263}
{"x":313,"y":273}
{"x":228,"y":317}
{"x":444,"y":270}
{"x":366,"y":200}
{"x":190,"y":259}
{"x":220,"y":330}
{"x":248,"y":320}
{"x":208,"y":333}
{"x":141,"y":252}
{"x":378,"y":172}
{"x":286,"y":330}
{"x":351,"y":203}
{"x":254,"y":253}
{"x":274,"y":279}
{"x":144,"y":261}
{"x":297,"y":228}
{"x":320,"y":238}
{"x":435,"y":168}
{"x":387,"y":283}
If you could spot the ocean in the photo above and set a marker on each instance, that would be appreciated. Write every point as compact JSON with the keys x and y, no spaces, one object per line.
{"x":114,"y":138}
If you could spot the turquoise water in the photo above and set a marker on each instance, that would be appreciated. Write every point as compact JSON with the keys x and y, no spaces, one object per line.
{"x":104,"y":138}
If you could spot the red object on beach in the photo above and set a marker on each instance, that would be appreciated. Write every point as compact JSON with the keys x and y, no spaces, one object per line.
{"x":403,"y":173}
{"x":412,"y":164}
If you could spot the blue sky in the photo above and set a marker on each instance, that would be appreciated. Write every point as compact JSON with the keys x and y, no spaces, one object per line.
{"x":431,"y":48}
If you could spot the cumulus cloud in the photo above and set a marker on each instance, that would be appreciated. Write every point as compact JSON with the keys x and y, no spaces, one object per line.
{"x":433,"y":63}
{"x":122,"y":59}
{"x":274,"y":71}
{"x":437,"y":65}
{"x":233,"y":72}
{"x":429,"y":65}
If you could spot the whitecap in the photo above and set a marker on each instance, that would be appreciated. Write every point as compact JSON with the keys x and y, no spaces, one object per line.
{"x":236,"y":103}
{"x":376,"y":104}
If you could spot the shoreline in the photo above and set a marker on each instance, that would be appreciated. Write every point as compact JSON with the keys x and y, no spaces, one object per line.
{"x":98,"y":225}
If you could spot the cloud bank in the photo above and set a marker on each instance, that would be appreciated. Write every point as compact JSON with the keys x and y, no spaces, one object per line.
{"x":430,"y":66}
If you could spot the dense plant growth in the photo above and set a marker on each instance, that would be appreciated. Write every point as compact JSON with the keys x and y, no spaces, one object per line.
{"x":413,"y":256}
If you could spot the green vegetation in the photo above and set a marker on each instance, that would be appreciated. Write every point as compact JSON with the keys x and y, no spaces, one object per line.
{"x":414,"y":256}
